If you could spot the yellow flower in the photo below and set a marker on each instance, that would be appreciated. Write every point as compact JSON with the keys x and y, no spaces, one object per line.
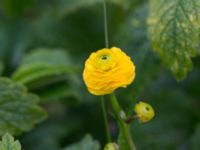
{"x":108,"y":69}
{"x":144,"y":112}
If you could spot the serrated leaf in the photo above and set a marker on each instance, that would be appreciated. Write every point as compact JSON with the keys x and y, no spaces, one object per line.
{"x":8,"y":143}
{"x":87,"y":143}
{"x":174,"y":31}
{"x":18,"y":108}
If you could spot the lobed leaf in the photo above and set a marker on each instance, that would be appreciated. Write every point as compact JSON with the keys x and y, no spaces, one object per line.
{"x":18,"y":108}
{"x":174,"y":31}
{"x":8,"y":143}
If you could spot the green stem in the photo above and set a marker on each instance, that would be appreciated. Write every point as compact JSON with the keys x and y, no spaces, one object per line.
{"x":105,"y":24}
{"x":125,"y":139}
{"x":103,"y":106}
{"x":102,"y":99}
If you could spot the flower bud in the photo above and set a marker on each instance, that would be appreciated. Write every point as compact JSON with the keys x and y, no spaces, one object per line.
{"x":111,"y":146}
{"x":144,"y":112}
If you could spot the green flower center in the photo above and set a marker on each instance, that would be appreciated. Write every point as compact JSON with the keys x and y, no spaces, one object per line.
{"x":105,"y":57}
{"x":105,"y":62}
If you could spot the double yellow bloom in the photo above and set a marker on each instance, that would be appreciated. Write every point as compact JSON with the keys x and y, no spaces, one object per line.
{"x":108,"y":69}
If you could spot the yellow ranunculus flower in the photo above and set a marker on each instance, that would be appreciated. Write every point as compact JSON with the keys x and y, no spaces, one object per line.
{"x":144,"y":112}
{"x":108,"y":69}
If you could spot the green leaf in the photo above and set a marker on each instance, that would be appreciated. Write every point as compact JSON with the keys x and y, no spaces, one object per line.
{"x":18,"y":109}
{"x":174,"y":32}
{"x":8,"y":143}
{"x":49,"y":73}
{"x":43,"y":63}
{"x":86,"y":143}
{"x":44,"y":66}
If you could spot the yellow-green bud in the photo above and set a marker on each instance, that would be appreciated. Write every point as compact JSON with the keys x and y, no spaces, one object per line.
{"x":144,"y":112}
{"x":111,"y":146}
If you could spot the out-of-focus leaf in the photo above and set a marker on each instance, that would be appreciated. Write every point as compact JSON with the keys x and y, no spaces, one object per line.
{"x":58,"y":91}
{"x":174,"y":32}
{"x":85,"y":144}
{"x":46,"y":68}
{"x":43,"y":63}
{"x":15,"y":8}
{"x":18,"y":109}
{"x":194,"y":145}
{"x":8,"y":143}
{"x":68,"y":6}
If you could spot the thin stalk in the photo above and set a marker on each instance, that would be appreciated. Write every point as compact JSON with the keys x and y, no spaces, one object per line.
{"x":125,"y":139}
{"x":102,"y":98}
{"x":103,"y":106}
{"x":105,"y":24}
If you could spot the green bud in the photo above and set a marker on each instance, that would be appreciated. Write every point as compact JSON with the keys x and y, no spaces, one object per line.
{"x":111,"y":146}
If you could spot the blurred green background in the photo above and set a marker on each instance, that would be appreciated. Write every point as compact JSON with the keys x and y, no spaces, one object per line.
{"x":44,"y":43}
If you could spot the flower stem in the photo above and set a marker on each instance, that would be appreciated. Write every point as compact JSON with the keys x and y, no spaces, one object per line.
{"x":105,"y":24}
{"x":125,"y":139}
{"x":103,"y":106}
{"x":102,"y":98}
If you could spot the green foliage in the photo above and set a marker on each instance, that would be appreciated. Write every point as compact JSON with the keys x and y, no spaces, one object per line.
{"x":1,"y":68}
{"x":170,"y":125}
{"x":68,"y":6}
{"x":13,"y":8}
{"x":48,"y":68}
{"x":174,"y":30}
{"x":195,"y":138}
{"x":8,"y":143}
{"x":133,"y":31}
{"x":43,"y":63}
{"x":85,"y":144}
{"x":18,"y":109}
